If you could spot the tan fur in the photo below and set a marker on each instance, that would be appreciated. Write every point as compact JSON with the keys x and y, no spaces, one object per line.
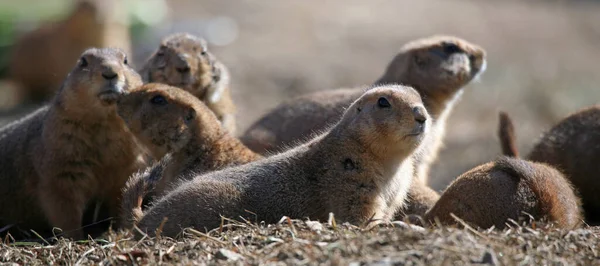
{"x":422,"y":64}
{"x":351,"y":170}
{"x":41,"y":59}
{"x":56,"y":160}
{"x":420,"y":199}
{"x":182,"y":126}
{"x":183,"y":60}
{"x":491,"y":194}
{"x":437,"y":67}
{"x":572,"y":146}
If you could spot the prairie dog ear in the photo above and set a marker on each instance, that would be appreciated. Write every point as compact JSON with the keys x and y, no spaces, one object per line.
{"x":204,"y":44}
{"x":215,"y":92}
{"x":145,"y":72}
{"x":419,"y":59}
{"x":190,"y":115}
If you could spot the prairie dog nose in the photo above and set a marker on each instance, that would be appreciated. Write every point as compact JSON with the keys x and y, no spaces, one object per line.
{"x":419,"y":114}
{"x":109,"y":74}
{"x":182,"y":65}
{"x":183,"y":70}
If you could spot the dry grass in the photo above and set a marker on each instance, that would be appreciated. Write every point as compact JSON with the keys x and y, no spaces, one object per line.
{"x":308,"y":242}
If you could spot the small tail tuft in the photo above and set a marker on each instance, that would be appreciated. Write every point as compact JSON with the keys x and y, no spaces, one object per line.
{"x":136,"y":189}
{"x":506,"y":134}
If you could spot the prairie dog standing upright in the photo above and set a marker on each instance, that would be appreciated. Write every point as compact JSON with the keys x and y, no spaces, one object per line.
{"x":73,"y":150}
{"x":183,"y":60}
{"x":352,"y":170}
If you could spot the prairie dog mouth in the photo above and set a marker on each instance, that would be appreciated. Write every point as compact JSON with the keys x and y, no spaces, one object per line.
{"x":418,"y":130}
{"x":477,"y":73}
{"x":111,"y":94}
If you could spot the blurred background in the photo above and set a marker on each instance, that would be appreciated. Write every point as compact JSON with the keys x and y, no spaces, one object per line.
{"x":543,"y":56}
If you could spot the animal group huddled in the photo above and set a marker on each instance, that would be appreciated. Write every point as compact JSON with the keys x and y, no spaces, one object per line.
{"x":157,"y":147}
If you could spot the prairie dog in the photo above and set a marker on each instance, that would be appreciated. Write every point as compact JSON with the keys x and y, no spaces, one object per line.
{"x":494,"y":192}
{"x":169,"y":120}
{"x":41,"y":59}
{"x":351,"y":170}
{"x":571,"y":146}
{"x":73,"y":150}
{"x":183,"y":60}
{"x":491,"y":194}
{"x":438,"y":67}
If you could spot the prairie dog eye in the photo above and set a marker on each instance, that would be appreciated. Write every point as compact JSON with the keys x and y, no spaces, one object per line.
{"x":451,"y":48}
{"x":383,"y":103}
{"x":191,"y":114}
{"x":161,"y":51}
{"x":83,"y":62}
{"x":125,"y":60}
{"x":158,"y":100}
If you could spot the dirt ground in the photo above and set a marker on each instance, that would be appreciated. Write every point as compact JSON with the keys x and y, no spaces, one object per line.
{"x":542,"y":64}
{"x":313,"y":243}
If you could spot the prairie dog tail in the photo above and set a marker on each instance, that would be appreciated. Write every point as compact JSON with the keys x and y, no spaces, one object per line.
{"x":136,"y":189}
{"x":556,"y":197}
{"x":506,"y":134}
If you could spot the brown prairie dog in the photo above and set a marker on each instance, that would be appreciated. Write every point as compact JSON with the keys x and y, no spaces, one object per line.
{"x":55,"y":160}
{"x":438,"y":67}
{"x":350,"y":170}
{"x":183,"y":60}
{"x":491,"y":194}
{"x":571,"y":146}
{"x":42,"y":58}
{"x":170,"y":120}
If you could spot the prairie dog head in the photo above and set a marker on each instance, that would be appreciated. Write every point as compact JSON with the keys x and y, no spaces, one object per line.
{"x":183,"y":60}
{"x":100,"y":78}
{"x":389,"y":120}
{"x":437,"y":65}
{"x":165,"y":118}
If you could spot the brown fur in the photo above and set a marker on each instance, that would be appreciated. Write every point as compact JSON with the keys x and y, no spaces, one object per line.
{"x":437,"y":67}
{"x":41,"y":59}
{"x":438,"y":75}
{"x":506,"y":134}
{"x":183,"y":60}
{"x":491,"y":194}
{"x":572,"y":146}
{"x":420,"y":199}
{"x":56,"y":160}
{"x":139,"y":185}
{"x":183,"y":127}
{"x":352,"y":170}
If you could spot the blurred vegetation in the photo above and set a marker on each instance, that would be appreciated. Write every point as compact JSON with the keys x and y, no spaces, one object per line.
{"x":18,"y":17}
{"x":15,"y":13}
